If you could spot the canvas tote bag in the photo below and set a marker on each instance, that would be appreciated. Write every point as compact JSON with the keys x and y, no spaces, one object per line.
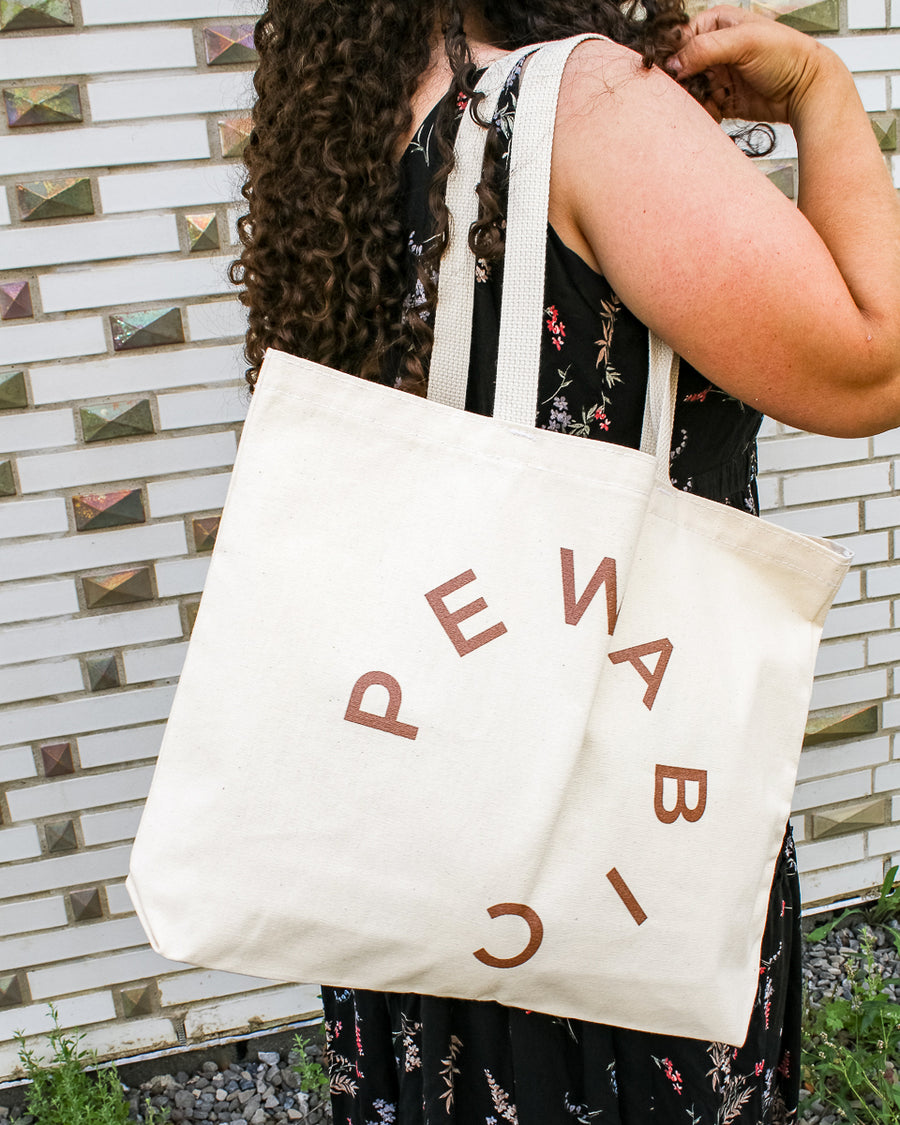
{"x":486,"y":711}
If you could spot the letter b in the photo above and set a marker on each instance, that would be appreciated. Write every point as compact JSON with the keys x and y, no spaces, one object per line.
{"x":681,"y":808}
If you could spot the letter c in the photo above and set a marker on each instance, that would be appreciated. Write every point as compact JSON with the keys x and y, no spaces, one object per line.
{"x":536,"y":929}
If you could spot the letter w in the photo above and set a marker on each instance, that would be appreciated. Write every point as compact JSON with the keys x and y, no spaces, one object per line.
{"x":605,"y":574}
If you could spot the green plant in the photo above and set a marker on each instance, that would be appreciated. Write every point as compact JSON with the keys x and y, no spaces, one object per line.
{"x":62,"y":1092}
{"x":313,"y":1079}
{"x":153,"y":1115}
{"x":851,"y":1047}
{"x":885,"y":908}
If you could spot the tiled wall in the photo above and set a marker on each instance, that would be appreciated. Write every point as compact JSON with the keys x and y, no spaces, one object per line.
{"x":120,"y":406}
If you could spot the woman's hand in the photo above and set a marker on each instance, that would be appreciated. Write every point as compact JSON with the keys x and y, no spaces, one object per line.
{"x":758,"y":70}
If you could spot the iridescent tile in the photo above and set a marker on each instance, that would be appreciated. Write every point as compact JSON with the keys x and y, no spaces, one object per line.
{"x":43,"y":105}
{"x":10,"y":991}
{"x":15,"y":300}
{"x":17,"y":14}
{"x":138,"y":1001}
{"x":232,"y":44}
{"x":61,"y":836}
{"x":7,"y":480}
{"x":86,"y":904}
{"x":103,"y":672}
{"x":96,"y":510}
{"x":116,"y":420}
{"x":55,"y":199}
{"x":885,"y":132}
{"x":814,"y":18}
{"x":234,"y":133}
{"x":205,"y":532}
{"x":13,"y":392}
{"x":57,"y":759}
{"x":122,"y":588}
{"x":147,"y":329}
{"x":203,"y":231}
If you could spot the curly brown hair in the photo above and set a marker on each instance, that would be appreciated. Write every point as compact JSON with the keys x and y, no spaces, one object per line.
{"x":323,"y":268}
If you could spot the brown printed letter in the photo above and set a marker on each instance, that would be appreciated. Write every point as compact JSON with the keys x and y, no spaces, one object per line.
{"x":450,"y":621}
{"x":575,"y":607}
{"x":682,"y":777}
{"x":388,"y":721}
{"x":652,"y":679}
{"x":535,"y":925}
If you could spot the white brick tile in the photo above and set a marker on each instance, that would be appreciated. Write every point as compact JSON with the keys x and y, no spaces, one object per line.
{"x":116,"y":746}
{"x":886,"y":444}
{"x":895,"y":102}
{"x":256,"y":1009}
{"x":118,"y":100}
{"x":96,"y":52}
{"x":849,"y":689}
{"x":769,"y":493}
{"x":110,"y":827}
{"x":857,"y":618}
{"x":798,"y":827}
{"x":159,"y":662}
{"x":141,"y":281}
{"x":135,"y":11}
{"x":890,"y":713}
{"x":32,"y":915}
{"x":810,"y":451}
{"x":851,"y":481}
{"x":785,"y":144}
{"x":895,"y":809}
{"x":841,"y":882}
{"x":104,"y":146}
{"x":830,"y":853}
{"x":767,"y":428}
{"x":64,"y":872}
{"x":850,"y":589}
{"x":17,"y":763}
{"x":118,"y":899}
{"x":216,"y":320}
{"x":77,"y":1011}
{"x":91,"y":713}
{"x":824,"y":521}
{"x":234,"y":213}
{"x":871,"y":548}
{"x":873,"y":93}
{"x":105,"y":548}
{"x":187,"y":494}
{"x":866,"y":14}
{"x":882,"y":580}
{"x":820,"y":761}
{"x":74,"y":941}
{"x":141,"y":459}
{"x":100,"y":972}
{"x":895,"y":12}
{"x":130,"y":374}
{"x":883,"y":840}
{"x":187,"y":988}
{"x":830,"y":790}
{"x":54,"y":339}
{"x":883,"y":512}
{"x":170,"y":187}
{"x":53,"y":798}
{"x":887,"y":777}
{"x":25,"y":247}
{"x":87,"y":634}
{"x":213,"y":407}
{"x":131,"y":1037}
{"x":34,"y":681}
{"x":184,"y":576}
{"x":867,"y":52}
{"x":884,"y":648}
{"x":19,"y":843}
{"x":43,"y":429}
{"x":840,"y":657}
{"x":33,"y":517}
{"x":4,"y":209}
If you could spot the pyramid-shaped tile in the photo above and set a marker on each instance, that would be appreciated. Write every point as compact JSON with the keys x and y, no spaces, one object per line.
{"x":17,"y":14}
{"x":86,"y":904}
{"x":57,"y":759}
{"x":43,"y":105}
{"x":783,"y":179}
{"x":885,"y":132}
{"x":55,"y":199}
{"x":840,"y":722}
{"x":205,"y":532}
{"x":103,"y":672}
{"x":234,"y":132}
{"x":10,"y":991}
{"x":147,"y":329}
{"x":61,"y":836}
{"x":813,"y":18}
{"x":232,"y":44}
{"x":203,"y":231}
{"x":140,"y":1001}
{"x":122,"y":588}
{"x":7,"y":481}
{"x":13,"y":392}
{"x":116,"y":420}
{"x":108,"y":509}
{"x":15,"y":300}
{"x":190,"y":615}
{"x":850,"y":818}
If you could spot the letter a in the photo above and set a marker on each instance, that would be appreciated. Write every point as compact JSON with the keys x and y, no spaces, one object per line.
{"x":682,"y":777}
{"x":450,"y":621}
{"x":604,"y":574}
{"x":652,"y":679}
{"x":387,"y":722}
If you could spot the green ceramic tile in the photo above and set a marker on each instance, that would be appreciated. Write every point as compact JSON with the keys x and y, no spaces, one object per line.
{"x":122,"y":588}
{"x":203,"y":232}
{"x":205,"y":532}
{"x":94,"y":511}
{"x":138,"y":1001}
{"x":838,"y":723}
{"x":814,"y":18}
{"x":190,"y":615}
{"x":783,"y":179}
{"x":116,"y":420}
{"x":103,"y":672}
{"x":7,"y":481}
{"x":42,"y":105}
{"x":13,"y":392}
{"x":86,"y":904}
{"x":885,"y":132}
{"x":850,"y":818}
{"x":10,"y":991}
{"x":61,"y":836}
{"x":54,"y":199}
{"x":18,"y":14}
{"x":147,"y":329}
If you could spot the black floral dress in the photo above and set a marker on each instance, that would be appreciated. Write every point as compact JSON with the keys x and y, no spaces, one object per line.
{"x":419,"y":1060}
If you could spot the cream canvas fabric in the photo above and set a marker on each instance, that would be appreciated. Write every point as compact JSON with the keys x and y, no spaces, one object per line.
{"x":496,"y":713}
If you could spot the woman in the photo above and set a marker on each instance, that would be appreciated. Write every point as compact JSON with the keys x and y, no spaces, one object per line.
{"x":656,"y":220}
